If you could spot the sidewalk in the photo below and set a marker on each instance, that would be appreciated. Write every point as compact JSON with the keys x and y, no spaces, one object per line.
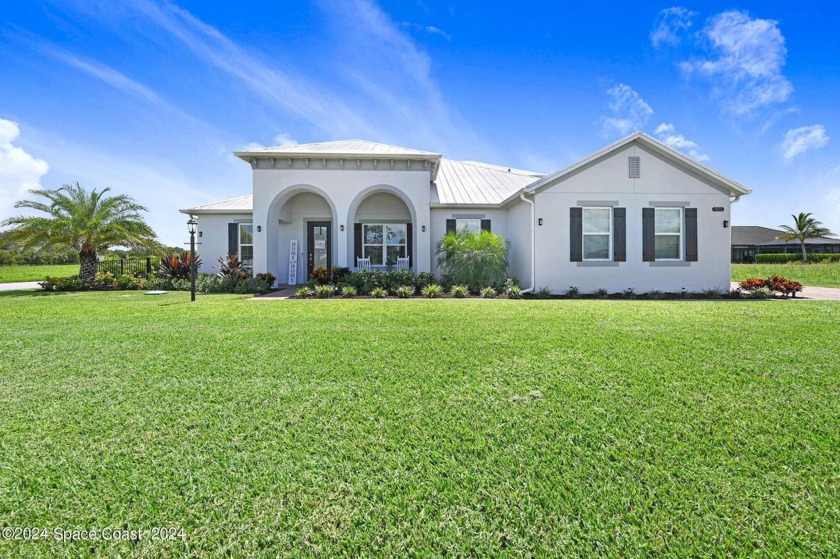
{"x":19,"y":286}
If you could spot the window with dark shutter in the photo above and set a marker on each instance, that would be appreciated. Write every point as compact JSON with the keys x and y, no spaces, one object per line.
{"x":648,"y":234}
{"x":620,"y":234}
{"x":450,"y":226}
{"x":576,"y":234}
{"x":485,"y":225}
{"x":233,"y":238}
{"x":691,"y":234}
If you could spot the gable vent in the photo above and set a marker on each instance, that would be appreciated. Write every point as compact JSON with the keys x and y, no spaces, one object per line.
{"x":635,"y":170}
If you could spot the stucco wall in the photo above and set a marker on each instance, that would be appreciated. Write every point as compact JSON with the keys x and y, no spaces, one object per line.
{"x":213,"y":242}
{"x":607,"y":181}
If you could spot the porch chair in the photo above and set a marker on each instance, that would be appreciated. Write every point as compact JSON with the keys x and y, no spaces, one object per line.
{"x":363,"y":264}
{"x":402,"y":264}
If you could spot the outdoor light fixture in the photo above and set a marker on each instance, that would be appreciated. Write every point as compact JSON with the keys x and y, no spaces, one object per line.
{"x":191,"y":227}
{"x":725,"y":223}
{"x":539,"y":221}
{"x":259,"y":228}
{"x":341,"y":227}
{"x":423,"y":229}
{"x":200,"y":234}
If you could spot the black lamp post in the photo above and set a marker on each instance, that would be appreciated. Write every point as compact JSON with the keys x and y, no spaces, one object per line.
{"x":191,"y":225}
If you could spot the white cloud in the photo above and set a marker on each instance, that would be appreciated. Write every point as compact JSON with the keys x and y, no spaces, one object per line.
{"x":800,"y":140}
{"x":630,"y":111}
{"x":284,"y":140}
{"x":430,"y":29}
{"x":667,"y":134}
{"x":669,"y":25}
{"x":19,"y":171}
{"x":745,"y":66}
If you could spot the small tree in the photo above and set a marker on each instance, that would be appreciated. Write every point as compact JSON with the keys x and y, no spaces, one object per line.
{"x":476,"y":260}
{"x":805,"y":227}
{"x":87,"y":221}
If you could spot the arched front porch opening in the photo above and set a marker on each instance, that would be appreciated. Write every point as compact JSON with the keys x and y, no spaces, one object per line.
{"x":382,"y":222}
{"x":301,"y":234}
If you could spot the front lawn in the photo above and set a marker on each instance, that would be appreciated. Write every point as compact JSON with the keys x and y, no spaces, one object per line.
{"x":421,"y":427}
{"x":13,"y":274}
{"x":817,"y":275}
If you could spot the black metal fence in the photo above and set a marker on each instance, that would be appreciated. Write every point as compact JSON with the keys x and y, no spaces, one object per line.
{"x":129,"y":266}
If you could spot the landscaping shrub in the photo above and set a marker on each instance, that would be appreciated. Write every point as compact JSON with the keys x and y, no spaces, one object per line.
{"x":459,"y":291}
{"x":487,"y":293}
{"x":348,"y":291}
{"x":773,"y":284}
{"x":513,"y":292}
{"x":432,"y":291}
{"x":378,"y":293}
{"x":206,"y":283}
{"x":629,"y":293}
{"x":474,"y":259}
{"x":232,"y":267}
{"x":177,"y":266}
{"x":782,"y":258}
{"x":338,"y":273}
{"x":573,"y":292}
{"x":324,"y":291}
{"x":544,"y":293}
{"x":601,"y":293}
{"x":423,"y":279}
{"x":267,"y":277}
{"x":655,"y":295}
{"x":303,"y":293}
{"x":319,"y":276}
{"x":404,"y":291}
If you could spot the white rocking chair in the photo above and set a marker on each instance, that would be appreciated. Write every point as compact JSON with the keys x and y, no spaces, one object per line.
{"x":402,"y":264}
{"x":363,"y":264}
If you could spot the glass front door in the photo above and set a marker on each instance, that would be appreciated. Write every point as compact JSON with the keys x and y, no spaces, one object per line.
{"x":319,"y":246}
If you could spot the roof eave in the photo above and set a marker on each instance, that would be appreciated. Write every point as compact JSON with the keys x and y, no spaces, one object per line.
{"x":197,"y":211}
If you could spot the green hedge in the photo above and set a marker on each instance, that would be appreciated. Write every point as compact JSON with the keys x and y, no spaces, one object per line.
{"x":781,"y":258}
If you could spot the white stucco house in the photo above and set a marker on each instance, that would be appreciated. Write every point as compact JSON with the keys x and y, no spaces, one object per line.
{"x":636,"y":214}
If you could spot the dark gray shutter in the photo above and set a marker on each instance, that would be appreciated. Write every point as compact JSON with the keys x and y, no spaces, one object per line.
{"x":233,"y":238}
{"x":409,"y":243}
{"x":485,"y":225}
{"x":576,"y":234}
{"x":691,"y":234}
{"x":450,"y":226}
{"x":648,"y":234}
{"x":357,"y":241}
{"x":620,"y":234}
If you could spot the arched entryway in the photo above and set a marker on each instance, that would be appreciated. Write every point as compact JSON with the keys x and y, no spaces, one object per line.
{"x":305,"y":218}
{"x":381,"y":220}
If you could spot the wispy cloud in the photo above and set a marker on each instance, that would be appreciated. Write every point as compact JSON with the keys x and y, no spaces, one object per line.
{"x":667,"y":134}
{"x":670,"y":25}
{"x":744,"y":63}
{"x":629,"y":111}
{"x":19,"y":171}
{"x":280,"y":140}
{"x":430,"y":29}
{"x":799,"y":140}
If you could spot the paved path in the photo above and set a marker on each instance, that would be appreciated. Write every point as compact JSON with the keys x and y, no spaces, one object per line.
{"x":19,"y":285}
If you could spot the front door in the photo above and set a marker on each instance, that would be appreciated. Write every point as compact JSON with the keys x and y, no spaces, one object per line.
{"x":318,"y":245}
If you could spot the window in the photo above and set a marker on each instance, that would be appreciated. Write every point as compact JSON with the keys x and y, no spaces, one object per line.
{"x":383,"y":243}
{"x":468,"y":225}
{"x":668,"y":227}
{"x":246,"y":244}
{"x":597,"y":233}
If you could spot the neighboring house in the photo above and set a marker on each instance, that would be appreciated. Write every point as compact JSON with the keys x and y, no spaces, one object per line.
{"x":749,"y":240}
{"x":637,"y":214}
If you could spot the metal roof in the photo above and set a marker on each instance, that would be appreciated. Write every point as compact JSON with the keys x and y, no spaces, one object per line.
{"x":474,"y":183}
{"x":816,"y":241}
{"x":342,"y":147}
{"x":242,"y":204}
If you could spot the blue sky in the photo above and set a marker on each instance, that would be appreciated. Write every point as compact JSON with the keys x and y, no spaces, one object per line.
{"x":150,"y":98}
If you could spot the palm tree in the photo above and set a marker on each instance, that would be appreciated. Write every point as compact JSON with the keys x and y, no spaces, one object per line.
{"x":805,"y":227}
{"x":86,"y":221}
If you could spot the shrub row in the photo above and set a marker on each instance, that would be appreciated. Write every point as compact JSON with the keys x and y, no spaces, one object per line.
{"x":782,"y":258}
{"x":429,"y":291}
{"x":205,"y":283}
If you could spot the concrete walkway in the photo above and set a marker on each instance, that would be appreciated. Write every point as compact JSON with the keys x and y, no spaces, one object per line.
{"x":19,"y":286}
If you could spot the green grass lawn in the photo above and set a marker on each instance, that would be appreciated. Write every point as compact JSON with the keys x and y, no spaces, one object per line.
{"x":422,"y":428}
{"x":818,"y":275}
{"x":12,"y":274}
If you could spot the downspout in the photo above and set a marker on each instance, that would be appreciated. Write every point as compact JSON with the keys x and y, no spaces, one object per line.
{"x":533,"y":243}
